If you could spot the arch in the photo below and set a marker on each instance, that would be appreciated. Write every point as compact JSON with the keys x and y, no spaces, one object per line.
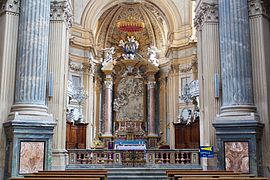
{"x":94,"y":10}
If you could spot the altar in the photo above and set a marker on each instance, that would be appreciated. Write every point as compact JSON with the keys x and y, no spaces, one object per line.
{"x":130,"y":86}
{"x":130,"y":145}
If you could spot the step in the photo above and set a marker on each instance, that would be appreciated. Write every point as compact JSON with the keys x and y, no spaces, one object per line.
{"x":136,"y":173}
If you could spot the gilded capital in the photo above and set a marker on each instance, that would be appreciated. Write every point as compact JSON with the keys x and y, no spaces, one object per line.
{"x":12,"y":6}
{"x":206,"y":13}
{"x":61,"y":10}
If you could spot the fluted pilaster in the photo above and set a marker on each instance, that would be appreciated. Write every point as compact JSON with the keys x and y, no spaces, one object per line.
{"x":32,"y":53}
{"x":89,"y":106}
{"x":260,"y":35}
{"x":58,"y":70}
{"x":163,"y":109}
{"x":209,"y":65}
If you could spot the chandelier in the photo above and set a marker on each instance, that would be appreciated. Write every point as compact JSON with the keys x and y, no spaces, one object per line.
{"x":130,"y":25}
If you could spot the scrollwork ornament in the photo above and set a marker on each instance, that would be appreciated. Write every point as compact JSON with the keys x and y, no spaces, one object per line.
{"x":185,"y":68}
{"x":258,"y":7}
{"x":76,"y":67}
{"x":61,"y":10}
{"x":206,"y":13}
{"x":12,"y":6}
{"x":89,"y":67}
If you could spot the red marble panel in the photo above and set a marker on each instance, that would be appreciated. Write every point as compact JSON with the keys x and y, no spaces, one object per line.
{"x":31,"y":157}
{"x":236,"y":156}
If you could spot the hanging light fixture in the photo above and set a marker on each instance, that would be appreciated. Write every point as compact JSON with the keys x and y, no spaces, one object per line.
{"x":186,"y":95}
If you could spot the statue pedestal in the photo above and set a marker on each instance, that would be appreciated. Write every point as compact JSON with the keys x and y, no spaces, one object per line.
{"x":152,"y":141}
{"x":239,"y":136}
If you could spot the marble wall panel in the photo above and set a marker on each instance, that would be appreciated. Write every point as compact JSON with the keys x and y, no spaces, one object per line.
{"x":237,"y":157}
{"x":31,"y":157}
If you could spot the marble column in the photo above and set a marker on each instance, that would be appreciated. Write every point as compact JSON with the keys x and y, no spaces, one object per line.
{"x":97,"y":106}
{"x":32,"y":58}
{"x":9,"y":19}
{"x":259,"y":20}
{"x":108,"y":106}
{"x":238,"y":122}
{"x":207,"y":25}
{"x":152,"y":135}
{"x":29,"y":128}
{"x":237,"y":89}
{"x":60,"y":22}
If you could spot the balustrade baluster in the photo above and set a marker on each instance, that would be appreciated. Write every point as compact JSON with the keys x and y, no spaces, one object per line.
{"x":167,"y":158}
{"x":177,"y":158}
{"x":182,"y":159}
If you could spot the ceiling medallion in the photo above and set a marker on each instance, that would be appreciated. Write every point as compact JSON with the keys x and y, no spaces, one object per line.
{"x":130,"y":25}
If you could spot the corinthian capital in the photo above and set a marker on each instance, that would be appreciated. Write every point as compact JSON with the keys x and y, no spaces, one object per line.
{"x":206,"y":13}
{"x":12,"y":6}
{"x":151,"y":84}
{"x":61,"y":10}
{"x":108,"y":84}
{"x":259,"y":7}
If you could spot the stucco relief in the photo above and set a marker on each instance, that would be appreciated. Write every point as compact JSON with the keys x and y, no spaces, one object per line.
{"x":109,"y":34}
{"x":31,"y":157}
{"x":236,"y":156}
{"x":129,"y":102}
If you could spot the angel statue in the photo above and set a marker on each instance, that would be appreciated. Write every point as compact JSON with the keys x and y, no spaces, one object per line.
{"x":108,"y":52}
{"x":152,"y":55}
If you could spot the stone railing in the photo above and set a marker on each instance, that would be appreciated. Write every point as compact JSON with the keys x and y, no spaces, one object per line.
{"x":133,"y":157}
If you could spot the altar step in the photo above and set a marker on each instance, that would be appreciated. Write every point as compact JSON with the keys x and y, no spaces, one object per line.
{"x":136,"y":173}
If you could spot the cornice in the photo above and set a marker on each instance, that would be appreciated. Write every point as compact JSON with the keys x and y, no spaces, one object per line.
{"x":206,"y":13}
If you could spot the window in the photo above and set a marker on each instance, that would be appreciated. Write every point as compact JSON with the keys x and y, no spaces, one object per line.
{"x":76,"y":81}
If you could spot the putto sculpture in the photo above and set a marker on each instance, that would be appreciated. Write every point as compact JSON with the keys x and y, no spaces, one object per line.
{"x":152,"y":55}
{"x":129,"y":47}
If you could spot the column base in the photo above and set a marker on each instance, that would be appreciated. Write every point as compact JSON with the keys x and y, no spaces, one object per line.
{"x":28,"y":109}
{"x":238,"y":110}
{"x":106,"y":139}
{"x":28,"y":138}
{"x":59,"y":159}
{"x":239,"y":136}
{"x":152,"y":141}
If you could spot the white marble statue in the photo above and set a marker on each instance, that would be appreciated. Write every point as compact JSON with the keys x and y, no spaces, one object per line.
{"x":108,"y":58}
{"x":152,"y":55}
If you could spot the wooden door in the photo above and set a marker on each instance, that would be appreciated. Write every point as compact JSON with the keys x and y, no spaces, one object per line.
{"x":187,"y":136}
{"x":76,"y":135}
